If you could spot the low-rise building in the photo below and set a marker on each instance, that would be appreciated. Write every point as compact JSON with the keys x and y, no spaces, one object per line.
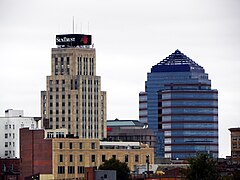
{"x":9,"y":131}
{"x":68,"y":157}
{"x":235,"y":145}
{"x":130,"y":130}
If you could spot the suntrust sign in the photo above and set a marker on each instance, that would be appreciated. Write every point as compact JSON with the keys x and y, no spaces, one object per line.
{"x":73,"y":39}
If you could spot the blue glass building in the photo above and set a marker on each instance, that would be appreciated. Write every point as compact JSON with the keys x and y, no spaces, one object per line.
{"x":182,"y":109}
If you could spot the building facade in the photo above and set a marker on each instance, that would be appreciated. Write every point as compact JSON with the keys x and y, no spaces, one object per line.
{"x":9,"y":131}
{"x":73,"y":98}
{"x":235,"y":145}
{"x":63,"y":158}
{"x":182,"y":109}
{"x":130,"y":130}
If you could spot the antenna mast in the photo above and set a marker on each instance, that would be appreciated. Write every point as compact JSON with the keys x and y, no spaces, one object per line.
{"x":73,"y":24}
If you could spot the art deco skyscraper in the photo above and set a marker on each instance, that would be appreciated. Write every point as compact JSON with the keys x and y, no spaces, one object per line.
{"x":73,"y":98}
{"x":181,"y":108}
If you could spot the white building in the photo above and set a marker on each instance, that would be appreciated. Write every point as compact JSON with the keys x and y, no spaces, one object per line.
{"x":9,"y":131}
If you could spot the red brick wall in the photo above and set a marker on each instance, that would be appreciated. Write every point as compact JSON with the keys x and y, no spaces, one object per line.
{"x":35,"y":153}
{"x":90,"y":173}
{"x":10,"y":165}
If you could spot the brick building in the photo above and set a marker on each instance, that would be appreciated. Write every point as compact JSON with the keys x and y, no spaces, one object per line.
{"x":235,"y":145}
{"x":62,"y":158}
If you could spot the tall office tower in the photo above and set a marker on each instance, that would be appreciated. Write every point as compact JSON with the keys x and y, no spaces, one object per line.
{"x":182,"y":108}
{"x":73,"y":98}
{"x":143,"y":108}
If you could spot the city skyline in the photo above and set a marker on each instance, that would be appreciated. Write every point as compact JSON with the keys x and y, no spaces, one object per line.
{"x":129,"y":37}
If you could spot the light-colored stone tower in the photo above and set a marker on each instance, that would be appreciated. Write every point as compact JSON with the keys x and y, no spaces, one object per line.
{"x":73,"y":98}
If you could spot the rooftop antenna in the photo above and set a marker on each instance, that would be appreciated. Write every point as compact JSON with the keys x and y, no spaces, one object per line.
{"x":88,"y":27}
{"x":73,"y":24}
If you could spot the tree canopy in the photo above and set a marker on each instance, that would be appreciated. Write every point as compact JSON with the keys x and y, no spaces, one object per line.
{"x":201,"y":167}
{"x":122,"y":168}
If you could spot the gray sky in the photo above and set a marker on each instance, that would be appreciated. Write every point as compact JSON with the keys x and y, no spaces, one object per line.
{"x":130,"y":37}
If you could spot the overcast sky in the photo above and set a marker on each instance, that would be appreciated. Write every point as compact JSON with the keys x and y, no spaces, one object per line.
{"x":130,"y":36}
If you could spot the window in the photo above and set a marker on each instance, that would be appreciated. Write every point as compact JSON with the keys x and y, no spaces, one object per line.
{"x":13,"y":126}
{"x":80,"y":158}
{"x":70,"y":145}
{"x":114,"y":156}
{"x":70,"y":158}
{"x":60,"y":145}
{"x":71,"y":170}
{"x":60,"y":158}
{"x":6,"y":144}
{"x":80,"y":169}
{"x":13,"y":144}
{"x":6,"y":135}
{"x":136,"y":158}
{"x":6,"y":126}
{"x":59,"y":134}
{"x":80,"y":145}
{"x":92,"y":145}
{"x":61,"y":170}
{"x":93,"y":158}
{"x":49,"y":134}
{"x":13,"y":135}
{"x":6,"y":153}
{"x":126,"y":158}
{"x":103,"y":157}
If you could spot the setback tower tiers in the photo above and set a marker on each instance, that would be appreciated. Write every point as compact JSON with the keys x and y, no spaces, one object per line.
{"x":73,"y":98}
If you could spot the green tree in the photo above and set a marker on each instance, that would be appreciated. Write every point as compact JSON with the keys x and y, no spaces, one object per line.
{"x":122,"y":168}
{"x":201,"y":167}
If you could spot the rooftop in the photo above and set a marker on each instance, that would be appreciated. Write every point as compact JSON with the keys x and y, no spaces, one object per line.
{"x":117,"y":123}
{"x":177,"y":62}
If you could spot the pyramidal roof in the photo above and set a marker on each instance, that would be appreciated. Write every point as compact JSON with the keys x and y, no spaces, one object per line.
{"x":177,"y":62}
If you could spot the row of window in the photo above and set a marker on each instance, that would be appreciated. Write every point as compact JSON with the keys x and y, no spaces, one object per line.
{"x":57,"y":135}
{"x":9,"y":144}
{"x":70,"y":169}
{"x":9,"y":135}
{"x":235,"y":138}
{"x":61,"y":65}
{"x":71,"y":145}
{"x":93,"y":158}
{"x":9,"y":126}
{"x":235,"y":146}
{"x":84,"y":65}
{"x":10,"y":153}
